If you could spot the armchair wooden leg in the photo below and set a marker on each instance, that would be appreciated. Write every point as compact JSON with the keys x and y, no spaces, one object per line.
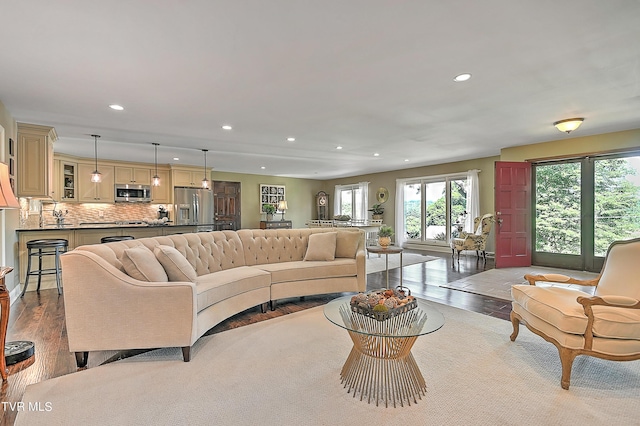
{"x":515,"y":321}
{"x":566,"y":359}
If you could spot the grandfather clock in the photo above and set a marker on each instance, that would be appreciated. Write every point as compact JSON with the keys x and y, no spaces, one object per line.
{"x":322,"y":205}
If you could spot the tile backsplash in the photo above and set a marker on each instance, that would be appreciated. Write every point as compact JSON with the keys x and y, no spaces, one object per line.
{"x":76,"y":213}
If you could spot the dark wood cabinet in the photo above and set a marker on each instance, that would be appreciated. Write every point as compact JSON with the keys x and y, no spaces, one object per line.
{"x":275,"y":224}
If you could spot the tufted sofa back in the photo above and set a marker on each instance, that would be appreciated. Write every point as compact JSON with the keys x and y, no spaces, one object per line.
{"x":206,"y":251}
{"x":276,"y":245}
{"x":214,"y":251}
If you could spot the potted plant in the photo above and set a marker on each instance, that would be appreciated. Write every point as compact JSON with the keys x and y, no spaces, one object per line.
{"x":377,"y":211}
{"x":269,"y":209}
{"x":384,"y":235}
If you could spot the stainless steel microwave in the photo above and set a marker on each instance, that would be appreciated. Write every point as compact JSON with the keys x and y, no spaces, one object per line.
{"x":133,"y":193}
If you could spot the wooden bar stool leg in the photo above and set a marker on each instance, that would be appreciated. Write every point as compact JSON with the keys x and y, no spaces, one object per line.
{"x":39,"y":269}
{"x":58,"y":270}
{"x":26,"y":280}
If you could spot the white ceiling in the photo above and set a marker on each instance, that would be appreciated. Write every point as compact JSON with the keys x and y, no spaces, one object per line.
{"x":372,"y":76}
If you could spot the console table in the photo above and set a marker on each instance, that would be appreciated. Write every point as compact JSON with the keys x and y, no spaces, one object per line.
{"x":275,"y":224}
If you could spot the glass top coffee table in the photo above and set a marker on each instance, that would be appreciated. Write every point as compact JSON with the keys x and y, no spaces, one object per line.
{"x":380,"y":366}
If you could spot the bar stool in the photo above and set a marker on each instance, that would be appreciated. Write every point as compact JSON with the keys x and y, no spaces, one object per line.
{"x":41,"y":248}
{"x":115,"y":238}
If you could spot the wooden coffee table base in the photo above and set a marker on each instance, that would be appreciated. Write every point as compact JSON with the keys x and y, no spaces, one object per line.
{"x":382,"y":369}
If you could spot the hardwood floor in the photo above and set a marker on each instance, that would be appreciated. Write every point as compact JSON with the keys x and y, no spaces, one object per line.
{"x":40,"y":318}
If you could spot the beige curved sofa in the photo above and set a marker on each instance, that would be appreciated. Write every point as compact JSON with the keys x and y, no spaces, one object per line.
{"x":117,"y":298}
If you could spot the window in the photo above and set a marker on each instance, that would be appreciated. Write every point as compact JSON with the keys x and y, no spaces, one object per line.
{"x":433,"y":209}
{"x":352,"y":200}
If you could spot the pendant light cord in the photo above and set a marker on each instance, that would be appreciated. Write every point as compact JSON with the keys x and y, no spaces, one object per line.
{"x":95,"y":149}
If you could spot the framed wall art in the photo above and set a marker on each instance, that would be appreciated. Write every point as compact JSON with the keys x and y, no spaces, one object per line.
{"x":271,"y":194}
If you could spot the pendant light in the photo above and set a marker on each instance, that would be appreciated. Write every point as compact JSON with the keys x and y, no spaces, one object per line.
{"x":96,"y":177}
{"x":205,"y":181}
{"x":156,"y":179}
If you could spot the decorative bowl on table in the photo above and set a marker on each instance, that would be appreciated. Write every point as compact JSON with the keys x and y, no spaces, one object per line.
{"x":383,"y":304}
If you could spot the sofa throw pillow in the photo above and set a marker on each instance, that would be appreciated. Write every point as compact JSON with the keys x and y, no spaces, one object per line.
{"x":175,"y":264}
{"x":141,"y":264}
{"x":347,"y":244}
{"x":322,"y":246}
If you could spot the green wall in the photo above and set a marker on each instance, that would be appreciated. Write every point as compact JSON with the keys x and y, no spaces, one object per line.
{"x":300,"y":195}
{"x":566,"y":147}
{"x":578,"y":146}
{"x":388,"y":180}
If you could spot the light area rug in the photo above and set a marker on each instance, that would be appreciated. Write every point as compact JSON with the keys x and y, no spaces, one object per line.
{"x":497,"y":282}
{"x":286,"y":371}
{"x":376,"y":263}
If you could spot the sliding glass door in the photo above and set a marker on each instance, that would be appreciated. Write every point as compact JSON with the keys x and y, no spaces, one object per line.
{"x":581,"y":206}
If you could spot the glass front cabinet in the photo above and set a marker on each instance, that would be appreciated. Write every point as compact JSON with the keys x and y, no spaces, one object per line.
{"x":69,"y":181}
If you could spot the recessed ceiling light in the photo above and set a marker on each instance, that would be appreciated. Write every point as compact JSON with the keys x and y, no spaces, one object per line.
{"x":406,"y":159}
{"x":338,"y":147}
{"x":376,"y":154}
{"x":262,"y":167}
{"x":227,"y":127}
{"x":116,"y":107}
{"x":291,"y":139}
{"x":462,"y":77}
{"x":176,"y":159}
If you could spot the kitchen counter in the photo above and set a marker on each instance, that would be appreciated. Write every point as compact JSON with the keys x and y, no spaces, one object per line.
{"x":88,"y":233}
{"x":105,"y":225}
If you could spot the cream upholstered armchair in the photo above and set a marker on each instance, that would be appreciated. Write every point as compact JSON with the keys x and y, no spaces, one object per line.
{"x":606,"y":325}
{"x":476,"y":241}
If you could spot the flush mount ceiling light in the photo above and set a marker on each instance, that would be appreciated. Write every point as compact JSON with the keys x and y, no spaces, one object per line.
{"x":338,"y":147}
{"x":96,"y":177}
{"x":156,"y":178}
{"x":462,"y":77}
{"x":376,"y":155}
{"x":227,"y":127}
{"x":116,"y":107}
{"x":205,"y":181}
{"x":568,"y":125}
{"x":291,"y":139}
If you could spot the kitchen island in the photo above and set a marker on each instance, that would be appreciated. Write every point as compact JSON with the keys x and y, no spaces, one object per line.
{"x":88,"y":233}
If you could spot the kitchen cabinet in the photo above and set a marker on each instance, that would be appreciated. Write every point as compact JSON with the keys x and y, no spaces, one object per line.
{"x":35,"y":160}
{"x":66,"y":179}
{"x":191,"y":178}
{"x":91,"y":192}
{"x":172,"y":230}
{"x":92,"y":236}
{"x":162,"y":194}
{"x":133,"y":175}
{"x":137,"y":233}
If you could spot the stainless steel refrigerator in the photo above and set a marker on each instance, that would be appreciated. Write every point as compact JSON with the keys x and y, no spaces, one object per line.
{"x":193,"y":206}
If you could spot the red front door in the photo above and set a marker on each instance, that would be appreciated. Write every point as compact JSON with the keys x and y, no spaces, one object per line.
{"x":513,"y":214}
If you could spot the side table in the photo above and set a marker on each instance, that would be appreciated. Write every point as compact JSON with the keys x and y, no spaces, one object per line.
{"x":386,"y":251}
